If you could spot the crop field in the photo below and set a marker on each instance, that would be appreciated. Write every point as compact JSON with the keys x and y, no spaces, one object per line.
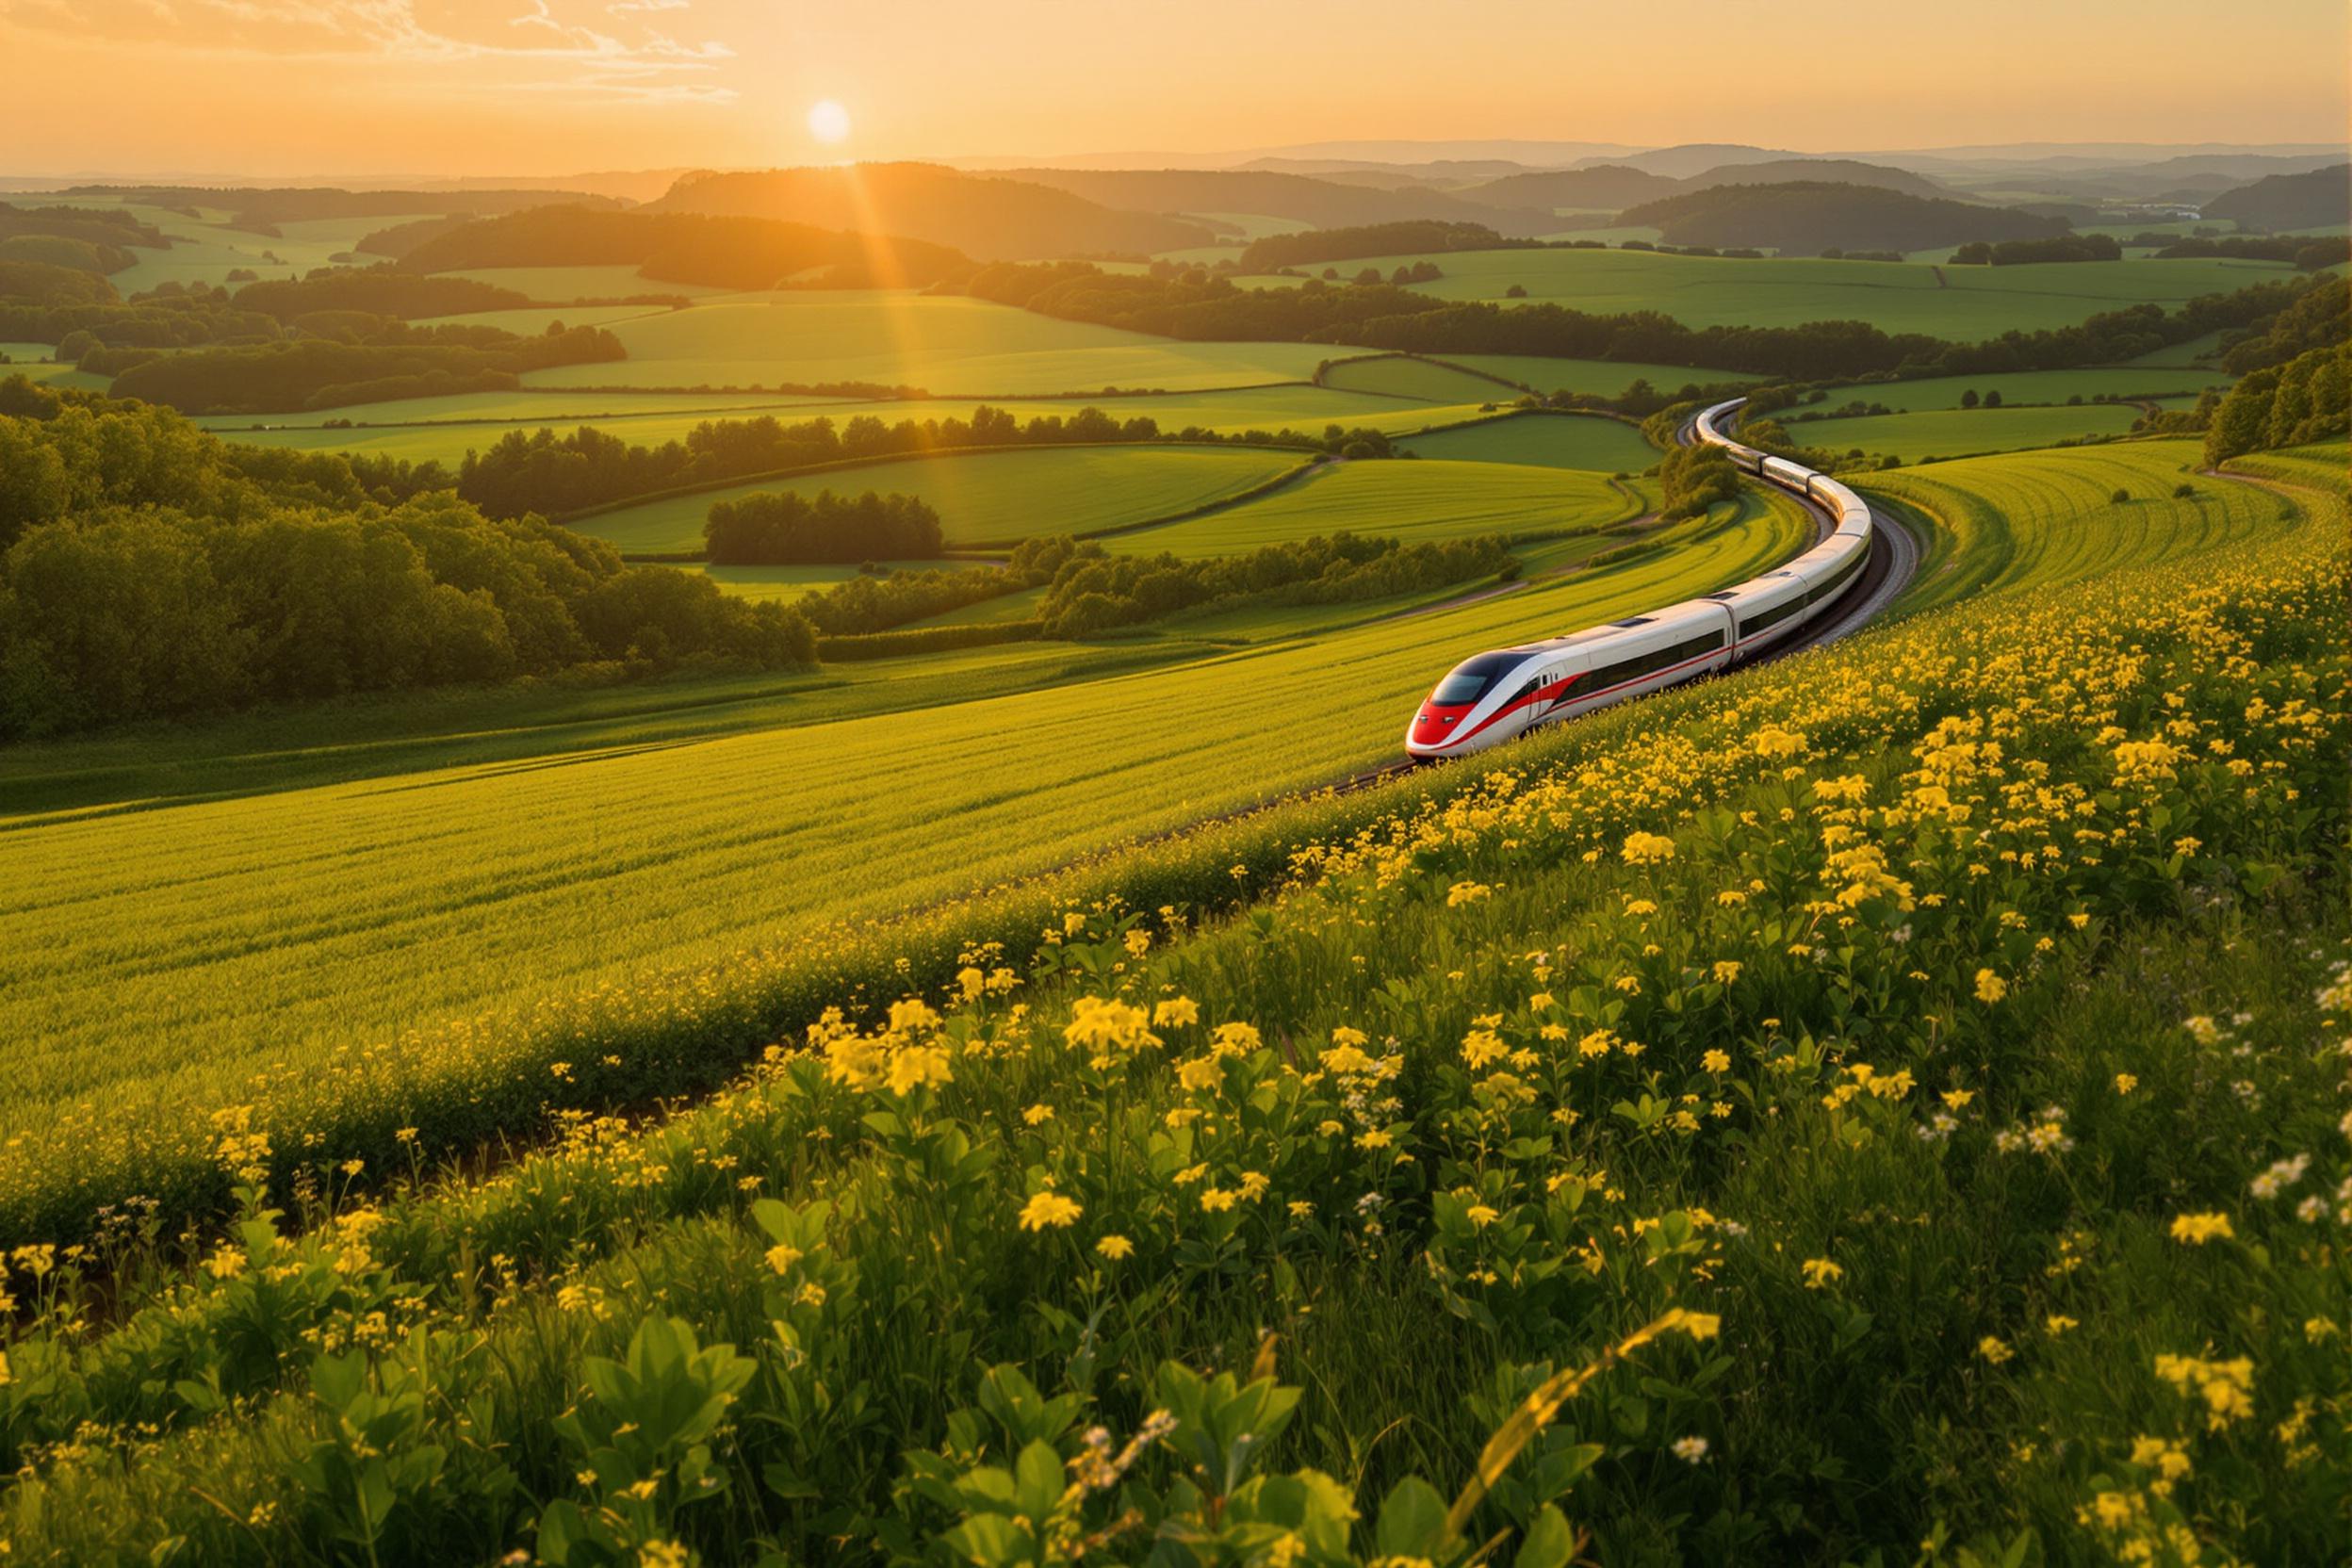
{"x":1547,"y":440}
{"x":1601,"y":377}
{"x":987,"y":498}
{"x":307,"y":920}
{"x":2036,"y":519}
{"x":942,"y":344}
{"x":1492,"y":1021}
{"x":787,"y":583}
{"x":1402,"y":376}
{"x":419,"y":428}
{"x":1411,"y":502}
{"x":2142,"y":379}
{"x":1959,"y":432}
{"x":1964,"y":303}
{"x":557,"y":285}
{"x":534,"y":320}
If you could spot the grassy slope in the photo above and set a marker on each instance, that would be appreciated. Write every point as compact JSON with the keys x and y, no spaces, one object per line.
{"x":1606,"y":378}
{"x":443,"y":430}
{"x":1971,"y":303}
{"x":2032,"y":386}
{"x":989,"y":498}
{"x":944,"y":345}
{"x":1957,"y":432}
{"x":1923,"y":1332}
{"x":239,"y":936}
{"x":1550,"y":441}
{"x":2046,"y":517}
{"x":1422,"y":380}
{"x":1415,"y":501}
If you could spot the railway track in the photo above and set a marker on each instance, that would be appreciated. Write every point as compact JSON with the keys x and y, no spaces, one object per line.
{"x":1894,"y":561}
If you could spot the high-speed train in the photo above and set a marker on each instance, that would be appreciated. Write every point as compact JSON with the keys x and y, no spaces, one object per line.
{"x":1495,"y":696}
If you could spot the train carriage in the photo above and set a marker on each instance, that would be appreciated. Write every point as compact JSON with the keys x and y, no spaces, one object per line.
{"x":1498,"y":696}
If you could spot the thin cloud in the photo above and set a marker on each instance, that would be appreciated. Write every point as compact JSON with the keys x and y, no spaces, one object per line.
{"x":548,"y":51}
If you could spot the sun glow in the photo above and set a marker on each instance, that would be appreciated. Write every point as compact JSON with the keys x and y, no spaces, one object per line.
{"x":828,"y":121}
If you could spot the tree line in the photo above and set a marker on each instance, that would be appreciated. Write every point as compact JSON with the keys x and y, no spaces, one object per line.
{"x":563,"y":474}
{"x":781,"y":527}
{"x":1409,"y":237}
{"x":1091,"y":592}
{"x":686,"y":247}
{"x":880,"y":597}
{"x":2014,"y":252}
{"x":149,"y":572}
{"x":2284,"y":405}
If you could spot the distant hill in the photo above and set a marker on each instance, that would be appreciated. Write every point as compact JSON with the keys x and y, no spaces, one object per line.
{"x":269,"y":206}
{"x":1836,"y":170}
{"x":683,"y":247}
{"x":1319,"y":203}
{"x":1607,"y":187}
{"x":1693,"y":157}
{"x":1615,"y":187}
{"x":2303,"y":201}
{"x":1807,"y":217}
{"x":989,"y":216}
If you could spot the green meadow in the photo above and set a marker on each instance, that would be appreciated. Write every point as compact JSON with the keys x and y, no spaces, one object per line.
{"x":1547,"y":440}
{"x":2142,"y":380}
{"x":1961,"y":432}
{"x":1425,"y":380}
{"x":279,"y":926}
{"x":942,"y":344}
{"x":987,"y":498}
{"x":1963,"y":303}
{"x":1412,"y":501}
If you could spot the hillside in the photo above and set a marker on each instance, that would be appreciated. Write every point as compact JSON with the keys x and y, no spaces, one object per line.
{"x":1692,"y":157}
{"x":1807,"y":218}
{"x":989,"y":216}
{"x":270,"y":205}
{"x":1816,"y":171}
{"x":1607,"y":187}
{"x":1325,"y":203}
{"x":2304,"y":201}
{"x":679,"y":247}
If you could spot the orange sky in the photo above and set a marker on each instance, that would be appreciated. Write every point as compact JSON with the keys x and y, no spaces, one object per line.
{"x":543,"y":87}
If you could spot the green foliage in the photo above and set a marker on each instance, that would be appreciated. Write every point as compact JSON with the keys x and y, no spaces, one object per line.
{"x":2305,"y":400}
{"x":1095,"y":592}
{"x":1694,"y":479}
{"x":322,"y":373}
{"x":1402,"y":238}
{"x":154,"y":572}
{"x":2014,"y":252}
{"x":746,"y":253}
{"x":779,"y":527}
{"x":384,"y":290}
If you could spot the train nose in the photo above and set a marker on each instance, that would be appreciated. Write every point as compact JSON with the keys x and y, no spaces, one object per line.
{"x":1433,"y":727}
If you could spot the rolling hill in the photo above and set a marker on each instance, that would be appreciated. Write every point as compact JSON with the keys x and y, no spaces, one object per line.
{"x":1807,"y":217}
{"x":2304,"y":201}
{"x":989,"y":216}
{"x":684,"y":247}
{"x":1324,"y":203}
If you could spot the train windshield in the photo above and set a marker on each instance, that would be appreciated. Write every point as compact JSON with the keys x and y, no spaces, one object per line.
{"x":1474,"y":677}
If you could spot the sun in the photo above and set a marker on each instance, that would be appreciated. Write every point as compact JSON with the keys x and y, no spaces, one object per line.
{"x":828,"y":121}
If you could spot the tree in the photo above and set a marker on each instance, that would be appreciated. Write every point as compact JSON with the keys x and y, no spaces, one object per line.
{"x":1992,"y":398}
{"x":1968,"y":399}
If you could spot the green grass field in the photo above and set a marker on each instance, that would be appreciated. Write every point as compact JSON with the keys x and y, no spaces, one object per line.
{"x":281,"y":925}
{"x":557,"y":285}
{"x":418,"y":429}
{"x":1959,"y":432}
{"x":1405,"y":501}
{"x":1547,"y":440}
{"x":1402,"y":376}
{"x":534,"y":320}
{"x":944,"y":345}
{"x":787,"y":583}
{"x":1600,"y":377}
{"x":1483,"y":1083}
{"x":1970,"y":302}
{"x":2142,"y":379}
{"x":988,"y":497}
{"x":2032,"y":519}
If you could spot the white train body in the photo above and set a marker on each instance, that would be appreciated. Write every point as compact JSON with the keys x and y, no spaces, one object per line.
{"x":1497,"y":697}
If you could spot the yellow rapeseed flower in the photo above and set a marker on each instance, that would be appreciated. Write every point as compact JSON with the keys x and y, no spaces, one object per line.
{"x":1990,"y":986}
{"x":1115,"y":1248}
{"x":2197,"y":1229}
{"x":1049,"y":1209}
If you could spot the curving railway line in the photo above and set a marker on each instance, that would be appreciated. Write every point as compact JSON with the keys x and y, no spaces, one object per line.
{"x":1859,"y":561}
